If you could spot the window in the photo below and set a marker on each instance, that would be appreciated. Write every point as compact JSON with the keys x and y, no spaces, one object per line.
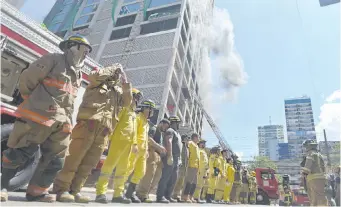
{"x":80,"y":28}
{"x":157,"y":13}
{"x":92,"y":2}
{"x":125,"y":20}
{"x":89,"y":9}
{"x":130,"y":8}
{"x":55,"y":27}
{"x":59,"y":17}
{"x":156,"y":3}
{"x":65,"y":9}
{"x":84,"y":20}
{"x":128,"y":1}
{"x":61,"y":34}
{"x":120,"y":33}
{"x":159,"y":26}
{"x":67,"y":2}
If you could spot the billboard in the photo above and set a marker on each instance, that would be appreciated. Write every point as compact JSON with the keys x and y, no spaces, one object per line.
{"x":328,"y":2}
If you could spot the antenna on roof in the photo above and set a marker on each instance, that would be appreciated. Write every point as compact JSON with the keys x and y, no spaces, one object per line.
{"x":270,"y":119}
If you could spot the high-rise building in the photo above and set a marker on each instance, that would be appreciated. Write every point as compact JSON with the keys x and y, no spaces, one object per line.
{"x":283,"y":151}
{"x":153,"y":41}
{"x":268,"y":138}
{"x":300,"y":124}
{"x":17,"y":3}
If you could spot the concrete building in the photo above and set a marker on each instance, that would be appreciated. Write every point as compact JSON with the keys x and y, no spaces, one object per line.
{"x":17,"y":3}
{"x":151,"y":38}
{"x":300,"y":124}
{"x":268,"y":138}
{"x":291,"y":168}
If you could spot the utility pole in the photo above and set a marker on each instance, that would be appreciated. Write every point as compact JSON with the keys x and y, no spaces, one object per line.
{"x":327,"y":149}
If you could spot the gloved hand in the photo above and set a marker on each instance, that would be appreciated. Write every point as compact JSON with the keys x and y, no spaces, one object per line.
{"x":170,"y":160}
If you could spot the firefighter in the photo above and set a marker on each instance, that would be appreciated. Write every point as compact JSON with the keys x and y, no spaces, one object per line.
{"x":203,"y":171}
{"x":154,"y":164}
{"x":124,"y":142}
{"x":244,"y":194}
{"x":49,"y":87}
{"x":287,"y":195}
{"x":177,"y":192}
{"x":314,"y":173}
{"x":229,"y":180}
{"x":137,"y":161}
{"x":253,"y":188}
{"x":221,"y":182}
{"x":192,"y":170}
{"x":102,"y":98}
{"x":214,"y":163}
{"x":236,"y":188}
{"x":171,"y":162}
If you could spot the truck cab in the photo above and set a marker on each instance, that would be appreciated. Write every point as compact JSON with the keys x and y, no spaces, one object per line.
{"x":267,"y":186}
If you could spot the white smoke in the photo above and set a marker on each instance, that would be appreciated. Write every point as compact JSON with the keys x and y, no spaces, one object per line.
{"x":214,"y":32}
{"x":330,"y":118}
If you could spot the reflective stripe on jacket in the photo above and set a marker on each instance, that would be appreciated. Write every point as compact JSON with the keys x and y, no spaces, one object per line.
{"x":49,"y":87}
{"x":142,"y":131}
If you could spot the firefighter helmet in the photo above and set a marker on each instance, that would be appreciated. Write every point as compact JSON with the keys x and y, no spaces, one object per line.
{"x":78,"y":39}
{"x":148,"y":103}
{"x":253,"y":174}
{"x":137,"y":93}
{"x":310,"y":144}
{"x":174,"y":119}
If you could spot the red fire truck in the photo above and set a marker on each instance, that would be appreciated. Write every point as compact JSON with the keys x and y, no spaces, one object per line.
{"x":22,"y":42}
{"x":267,"y":186}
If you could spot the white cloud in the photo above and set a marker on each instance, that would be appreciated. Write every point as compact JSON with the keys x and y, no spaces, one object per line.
{"x":330,"y":118}
{"x":240,"y":155}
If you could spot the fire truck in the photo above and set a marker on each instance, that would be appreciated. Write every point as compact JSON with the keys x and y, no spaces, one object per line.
{"x":22,"y":42}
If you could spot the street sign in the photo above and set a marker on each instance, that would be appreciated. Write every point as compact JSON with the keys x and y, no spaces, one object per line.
{"x":328,"y":2}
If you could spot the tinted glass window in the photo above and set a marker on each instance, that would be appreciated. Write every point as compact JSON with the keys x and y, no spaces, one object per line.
{"x":157,"y":13}
{"x":89,"y":9}
{"x":59,"y":17}
{"x":125,"y":20}
{"x":130,"y":8}
{"x":128,"y":1}
{"x":67,"y":1}
{"x":84,"y":20}
{"x":92,"y":2}
{"x":159,"y":26}
{"x":66,"y":8}
{"x":55,"y":27}
{"x":120,"y":33}
{"x":156,"y":3}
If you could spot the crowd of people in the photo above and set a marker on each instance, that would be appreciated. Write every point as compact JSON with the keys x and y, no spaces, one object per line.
{"x":112,"y":113}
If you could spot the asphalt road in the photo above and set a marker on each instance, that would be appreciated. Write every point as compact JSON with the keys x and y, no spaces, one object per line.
{"x":18,"y":199}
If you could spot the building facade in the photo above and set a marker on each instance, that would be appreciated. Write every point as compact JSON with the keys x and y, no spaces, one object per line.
{"x":300,"y":124}
{"x":269,"y":136}
{"x":151,"y":38}
{"x":18,"y":4}
{"x":283,"y":151}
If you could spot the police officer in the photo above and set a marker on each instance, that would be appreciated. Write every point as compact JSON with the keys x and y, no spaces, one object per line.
{"x":182,"y":170}
{"x":314,"y":173}
{"x":49,"y":87}
{"x":171,"y":162}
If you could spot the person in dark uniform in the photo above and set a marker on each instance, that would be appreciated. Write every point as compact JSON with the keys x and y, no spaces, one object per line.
{"x":171,"y":162}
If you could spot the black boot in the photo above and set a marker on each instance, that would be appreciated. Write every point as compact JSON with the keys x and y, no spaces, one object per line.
{"x":192,"y":190}
{"x":6,"y":176}
{"x":187,"y":189}
{"x":209,"y":198}
{"x":130,"y":190}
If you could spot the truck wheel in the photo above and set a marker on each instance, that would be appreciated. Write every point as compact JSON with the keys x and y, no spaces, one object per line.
{"x":262,"y":199}
{"x":25,"y":172}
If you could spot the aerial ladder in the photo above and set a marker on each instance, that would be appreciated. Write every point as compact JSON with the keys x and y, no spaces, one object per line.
{"x":222,"y":141}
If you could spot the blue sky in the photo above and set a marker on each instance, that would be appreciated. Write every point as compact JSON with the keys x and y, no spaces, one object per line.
{"x":289,"y":48}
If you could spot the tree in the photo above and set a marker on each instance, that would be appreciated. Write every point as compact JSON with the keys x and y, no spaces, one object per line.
{"x":43,"y":26}
{"x":261,"y":162}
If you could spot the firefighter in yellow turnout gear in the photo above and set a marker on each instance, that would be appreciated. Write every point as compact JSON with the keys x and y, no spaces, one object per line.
{"x":221,"y":182}
{"x":203,"y":171}
{"x":229,"y":181}
{"x":214,"y":164}
{"x":49,"y":87}
{"x":101,"y":102}
{"x":138,"y":161}
{"x":253,"y":188}
{"x":314,"y":172}
{"x":124,"y":141}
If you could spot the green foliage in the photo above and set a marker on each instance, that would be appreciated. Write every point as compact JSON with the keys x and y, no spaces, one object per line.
{"x":43,"y":25}
{"x":262,"y":162}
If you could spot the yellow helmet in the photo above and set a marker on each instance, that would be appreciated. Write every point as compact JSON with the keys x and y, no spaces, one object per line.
{"x":137,"y":92}
{"x":253,"y":174}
